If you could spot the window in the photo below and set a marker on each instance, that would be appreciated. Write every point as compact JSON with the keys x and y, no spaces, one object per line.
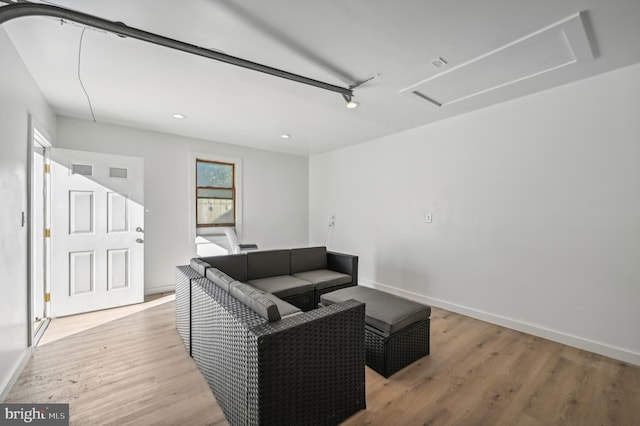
{"x":215,"y":193}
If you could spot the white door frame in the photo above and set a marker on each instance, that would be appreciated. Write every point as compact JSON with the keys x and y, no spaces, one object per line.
{"x":97,"y":221}
{"x":38,"y":135}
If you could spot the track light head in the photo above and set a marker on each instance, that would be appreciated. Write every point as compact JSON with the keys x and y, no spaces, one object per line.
{"x":350,"y":102}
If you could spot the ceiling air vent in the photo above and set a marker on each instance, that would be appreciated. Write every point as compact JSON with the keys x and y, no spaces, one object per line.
{"x":553,"y":47}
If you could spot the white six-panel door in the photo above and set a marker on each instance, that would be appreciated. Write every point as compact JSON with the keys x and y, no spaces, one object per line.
{"x":97,"y":231}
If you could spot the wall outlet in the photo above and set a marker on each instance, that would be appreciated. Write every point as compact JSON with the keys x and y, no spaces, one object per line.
{"x":428,"y":218}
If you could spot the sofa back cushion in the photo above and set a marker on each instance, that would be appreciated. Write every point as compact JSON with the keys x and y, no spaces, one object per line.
{"x":234,"y":265}
{"x":268,"y":263}
{"x":219,"y":278}
{"x":199,"y":265}
{"x":308,"y":259}
{"x":256,"y":300}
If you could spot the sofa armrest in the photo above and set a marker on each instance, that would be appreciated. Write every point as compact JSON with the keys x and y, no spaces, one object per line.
{"x":344,"y":263}
{"x":314,"y":361}
{"x":313,"y":318}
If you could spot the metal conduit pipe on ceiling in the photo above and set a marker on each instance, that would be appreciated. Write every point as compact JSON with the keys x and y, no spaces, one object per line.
{"x":19,"y":10}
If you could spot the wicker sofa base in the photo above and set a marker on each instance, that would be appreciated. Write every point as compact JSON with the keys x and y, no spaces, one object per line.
{"x":184,"y":276}
{"x":387,"y":354}
{"x":307,"y":369}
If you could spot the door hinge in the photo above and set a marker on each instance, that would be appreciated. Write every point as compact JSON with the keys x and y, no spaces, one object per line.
{"x":47,"y":233}
{"x":47,"y":168}
{"x":47,"y":297}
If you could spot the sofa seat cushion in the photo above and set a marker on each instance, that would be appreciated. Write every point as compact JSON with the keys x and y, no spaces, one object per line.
{"x":283,"y":285}
{"x":324,"y":278}
{"x":286,"y":309}
{"x":384,"y":311}
{"x":256,"y":300}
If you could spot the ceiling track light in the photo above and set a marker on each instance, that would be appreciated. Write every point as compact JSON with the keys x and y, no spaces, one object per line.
{"x":351,"y":104}
{"x":19,"y":10}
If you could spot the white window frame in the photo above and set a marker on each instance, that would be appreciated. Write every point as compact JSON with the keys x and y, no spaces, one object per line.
{"x":194,"y":230}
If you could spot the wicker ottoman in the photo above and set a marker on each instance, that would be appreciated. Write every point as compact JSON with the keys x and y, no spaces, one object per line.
{"x":396,"y":329}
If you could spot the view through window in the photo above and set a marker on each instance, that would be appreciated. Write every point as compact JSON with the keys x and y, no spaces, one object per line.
{"x":215,"y":193}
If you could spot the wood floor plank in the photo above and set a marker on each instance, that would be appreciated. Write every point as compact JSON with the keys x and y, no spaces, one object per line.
{"x":131,"y":368}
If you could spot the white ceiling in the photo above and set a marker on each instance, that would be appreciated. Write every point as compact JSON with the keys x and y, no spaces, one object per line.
{"x":341,"y":42}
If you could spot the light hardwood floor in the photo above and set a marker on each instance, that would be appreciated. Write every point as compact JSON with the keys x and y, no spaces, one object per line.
{"x":133,"y":369}
{"x":124,"y":366}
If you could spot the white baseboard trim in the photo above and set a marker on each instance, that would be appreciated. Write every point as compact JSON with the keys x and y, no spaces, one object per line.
{"x":159,"y":289}
{"x":26,"y":355}
{"x":525,"y":327}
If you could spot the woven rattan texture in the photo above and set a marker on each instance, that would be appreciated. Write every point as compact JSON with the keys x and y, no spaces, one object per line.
{"x":305,"y":369}
{"x":184,"y":275}
{"x":312,"y":366}
{"x":220,"y":347}
{"x":345,"y":263}
{"x":388,"y":354}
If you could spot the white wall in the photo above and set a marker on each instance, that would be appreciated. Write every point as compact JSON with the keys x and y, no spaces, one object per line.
{"x":536,"y":212}
{"x":275,"y":191}
{"x":19,"y":96}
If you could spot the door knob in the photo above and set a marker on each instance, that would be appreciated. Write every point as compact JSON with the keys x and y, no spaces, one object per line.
{"x":139,"y":241}
{"x":138,"y":229}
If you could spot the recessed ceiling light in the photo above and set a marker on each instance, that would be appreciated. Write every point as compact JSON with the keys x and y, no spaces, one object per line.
{"x":353,"y":104}
{"x":285,"y":136}
{"x":438,"y":62}
{"x":179,"y":116}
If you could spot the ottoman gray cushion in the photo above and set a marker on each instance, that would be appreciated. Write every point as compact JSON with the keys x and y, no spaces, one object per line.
{"x":386,"y":312}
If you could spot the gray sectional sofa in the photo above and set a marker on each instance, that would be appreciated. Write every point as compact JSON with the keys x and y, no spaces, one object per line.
{"x":298,"y":276}
{"x":267,"y":361}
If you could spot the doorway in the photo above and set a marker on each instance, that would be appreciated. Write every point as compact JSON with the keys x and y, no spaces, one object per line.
{"x":97,"y":231}
{"x":39,"y":227}
{"x":86,"y":225}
